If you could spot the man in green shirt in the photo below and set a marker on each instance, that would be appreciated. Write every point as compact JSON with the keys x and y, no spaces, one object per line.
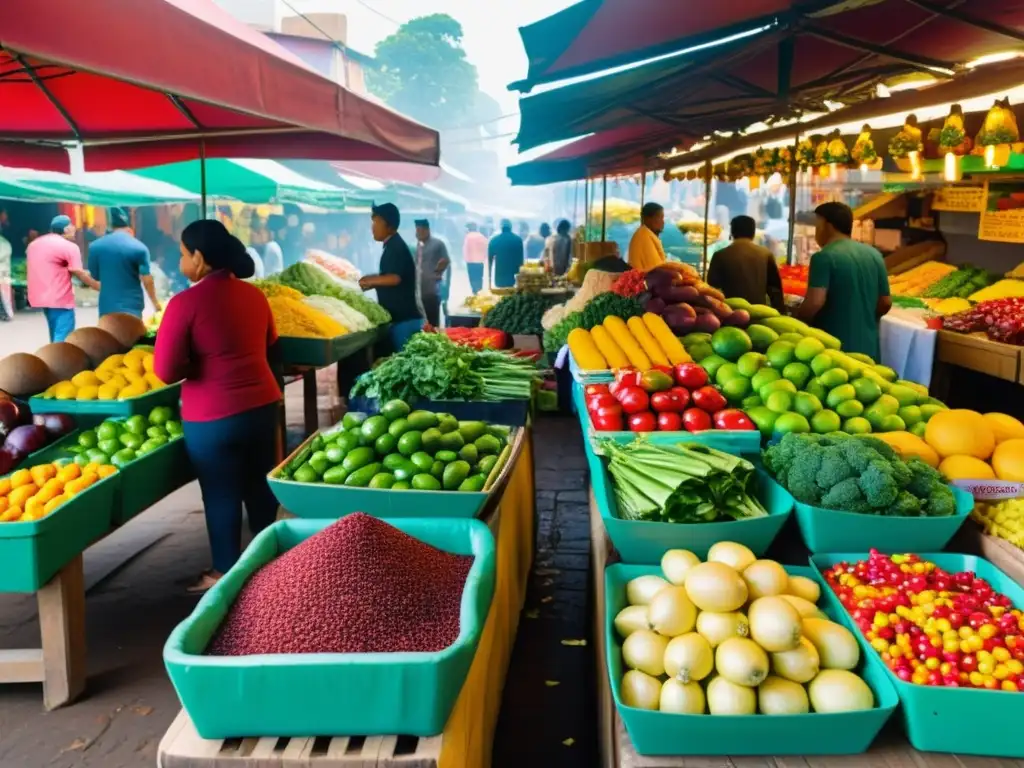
{"x":848,"y":288}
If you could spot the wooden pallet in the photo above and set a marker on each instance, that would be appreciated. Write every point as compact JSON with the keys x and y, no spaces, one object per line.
{"x":182,"y":747}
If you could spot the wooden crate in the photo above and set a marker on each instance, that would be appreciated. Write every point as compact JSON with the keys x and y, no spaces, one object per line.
{"x":977,"y":353}
{"x":182,"y":747}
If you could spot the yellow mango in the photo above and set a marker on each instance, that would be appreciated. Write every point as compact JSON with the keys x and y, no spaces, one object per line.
{"x":65,"y":390}
{"x":22,"y":494}
{"x":40,"y":474}
{"x":19,"y":478}
{"x":88,"y":393}
{"x":85,"y":379}
{"x":11,"y":515}
{"x":108,"y":391}
{"x":112,"y":362}
{"x":53,"y":503}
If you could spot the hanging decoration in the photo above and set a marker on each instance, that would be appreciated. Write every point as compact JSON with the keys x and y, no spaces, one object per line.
{"x":953,"y":143}
{"x":805,"y":152}
{"x":864,"y":153}
{"x":999,"y":135}
{"x":906,"y":147}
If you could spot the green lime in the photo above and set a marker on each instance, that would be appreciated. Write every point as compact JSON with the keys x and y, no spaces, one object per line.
{"x":779,"y":402}
{"x":791,"y":422}
{"x":893,"y":423}
{"x":927,"y":411}
{"x":764,"y":376}
{"x":305,"y":474}
{"x":840,"y":394}
{"x":858,"y":425}
{"x":108,"y":430}
{"x":431,"y":441}
{"x":910,"y":414}
{"x":780,"y":354}
{"x":353,"y":419}
{"x":751,"y":363}
{"x":825,"y":422}
{"x":96,"y":456}
{"x":173,"y":428}
{"x":885,"y":372}
{"x":779,"y":385}
{"x":792,"y":337}
{"x":751,"y":402}
{"x":816,"y":388}
{"x":867,"y":390}
{"x":385,"y":444}
{"x":374,"y":427}
{"x":808,"y":349}
{"x":136,"y":425}
{"x":700,"y":351}
{"x":798,"y":373}
{"x":109,"y":447}
{"x":806,"y":404}
{"x":821,"y":363}
{"x":763,"y":418}
{"x":848,"y":409}
{"x":423,"y":461}
{"x":918,"y":429}
{"x":82,"y":459}
{"x":730,"y":343}
{"x":335,"y":454}
{"x":401,"y":485}
{"x":395,"y":409}
{"x":410,"y":443}
{"x":347,"y":441}
{"x":833,"y":378}
{"x":131,"y":440}
{"x":398,"y":427}
{"x":726,"y":372}
{"x":160,"y":415}
{"x":736,"y":389}
{"x":88,"y":439}
{"x":712,"y":363}
{"x":320,"y":463}
{"x":122,"y":457}
{"x":903,"y":395}
{"x":156,"y":432}
{"x":887,"y":405}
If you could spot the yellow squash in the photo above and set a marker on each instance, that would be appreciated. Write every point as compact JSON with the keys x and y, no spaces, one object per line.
{"x":667,"y":340}
{"x":647,"y":341}
{"x":620,"y":332}
{"x":585,"y":352}
{"x":606,"y":345}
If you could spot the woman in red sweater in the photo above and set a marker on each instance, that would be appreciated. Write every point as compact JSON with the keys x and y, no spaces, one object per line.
{"x":218,"y":336}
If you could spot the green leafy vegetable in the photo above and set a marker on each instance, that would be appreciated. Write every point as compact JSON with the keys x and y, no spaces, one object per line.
{"x":311,"y":280}
{"x":597,"y":309}
{"x":519,"y":313}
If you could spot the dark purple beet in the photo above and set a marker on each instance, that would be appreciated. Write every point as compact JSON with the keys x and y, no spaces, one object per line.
{"x":25,"y":440}
{"x":657,"y":306}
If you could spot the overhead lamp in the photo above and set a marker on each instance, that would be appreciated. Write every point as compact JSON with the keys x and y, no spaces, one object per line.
{"x":993,"y":58}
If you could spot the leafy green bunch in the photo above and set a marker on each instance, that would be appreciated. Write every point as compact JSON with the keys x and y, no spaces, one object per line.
{"x":519,"y":313}
{"x":311,"y":280}
{"x":597,"y":309}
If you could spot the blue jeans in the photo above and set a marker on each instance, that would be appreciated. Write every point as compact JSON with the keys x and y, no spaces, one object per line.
{"x":401,"y":332}
{"x":232,"y":457}
{"x":476,"y":277}
{"x":61,"y":323}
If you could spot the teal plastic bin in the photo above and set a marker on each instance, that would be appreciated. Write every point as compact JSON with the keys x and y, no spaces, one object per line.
{"x":169,"y":395}
{"x":324,"y":694}
{"x":32,"y":553}
{"x":938,"y":719}
{"x":588,"y":377}
{"x":663,"y":733}
{"x":830,"y":530}
{"x":646,"y":542}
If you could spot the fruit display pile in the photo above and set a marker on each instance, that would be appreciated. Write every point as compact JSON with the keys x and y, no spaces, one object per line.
{"x":594,"y":312}
{"x":914,"y":282}
{"x":683,"y":483}
{"x":639,"y":343}
{"x":788,"y":377}
{"x":22,"y":434}
{"x":30,"y":494}
{"x":118,"y":377}
{"x":931,"y":626}
{"x":401,"y":449}
{"x":962,"y":283}
{"x":689,"y":304}
{"x":1000,"y":319}
{"x":734,"y":636}
{"x":475,"y":338}
{"x":966,"y":445}
{"x":122,"y":441}
{"x":857,"y":474}
{"x":313,"y":280}
{"x":661,"y":399}
{"x":630,"y":283}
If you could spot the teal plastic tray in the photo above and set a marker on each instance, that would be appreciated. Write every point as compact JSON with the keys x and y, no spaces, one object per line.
{"x":321,"y":501}
{"x":939,"y":719}
{"x":324,"y":694}
{"x":32,"y":553}
{"x":645,"y":542}
{"x":736,"y":442}
{"x":830,"y":530}
{"x":588,"y":377}
{"x":662,"y":733}
{"x":169,"y":395}
{"x":317,"y":353}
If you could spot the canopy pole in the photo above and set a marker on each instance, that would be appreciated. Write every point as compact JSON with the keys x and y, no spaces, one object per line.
{"x":707,"y":211}
{"x":643,"y":187}
{"x":576,"y":204}
{"x":202,"y":175}
{"x":793,"y":171}
{"x":604,"y":207}
{"x":586,"y":210}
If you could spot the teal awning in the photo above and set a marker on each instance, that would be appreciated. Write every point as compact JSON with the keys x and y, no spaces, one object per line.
{"x":252,"y":181}
{"x":103,"y":189}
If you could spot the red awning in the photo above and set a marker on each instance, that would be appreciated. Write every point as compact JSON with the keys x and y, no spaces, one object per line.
{"x":794,"y":67}
{"x":140,"y":83}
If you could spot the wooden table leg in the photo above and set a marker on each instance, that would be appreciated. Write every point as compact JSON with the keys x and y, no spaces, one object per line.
{"x":310,"y":407}
{"x":62,"y":626}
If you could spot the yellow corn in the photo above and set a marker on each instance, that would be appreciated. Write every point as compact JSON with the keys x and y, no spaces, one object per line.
{"x":585,"y":352}
{"x":620,"y":332}
{"x":667,"y":340}
{"x":951,"y":306}
{"x":1004,"y":289}
{"x":647,"y":341}
{"x":606,"y":345}
{"x":915,"y":281}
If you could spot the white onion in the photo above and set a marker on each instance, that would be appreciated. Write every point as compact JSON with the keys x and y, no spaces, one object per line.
{"x":671,"y":613}
{"x":716,"y":628}
{"x":682,"y":698}
{"x":776,"y":696}
{"x":836,"y":690}
{"x":836,"y":646}
{"x":645,"y":650}
{"x":640,"y":690}
{"x":716,"y":587}
{"x":630,"y":619}
{"x":727,"y":698}
{"x":774,"y":624}
{"x":736,"y":556}
{"x":801,"y":665}
{"x":642,"y":589}
{"x":765,"y":578}
{"x":808,"y":589}
{"x":676,"y":563}
{"x":805,"y":608}
{"x":742,"y":661}
{"x":689,"y":658}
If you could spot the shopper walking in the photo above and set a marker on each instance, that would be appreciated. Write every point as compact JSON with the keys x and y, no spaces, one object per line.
{"x":431,"y":263}
{"x":218,"y":336}
{"x":847,"y":286}
{"x":121,"y":263}
{"x":533,"y":244}
{"x":505,"y":256}
{"x":558,"y":251}
{"x":396,"y":280}
{"x":745,"y":269}
{"x":474,"y":251}
{"x":52,"y":261}
{"x":273,"y":255}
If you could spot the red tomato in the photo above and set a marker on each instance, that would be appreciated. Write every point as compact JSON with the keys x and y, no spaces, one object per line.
{"x":629,"y":377}
{"x":691,"y":375}
{"x":642,"y":422}
{"x":670,"y":422}
{"x":733,"y":418}
{"x":709,"y":399}
{"x":609,"y":411}
{"x":633,"y":399}
{"x":663,"y":402}
{"x":596,"y":389}
{"x":682,"y":394}
{"x":608,"y":423}
{"x":696,"y":420}
{"x":600,"y":400}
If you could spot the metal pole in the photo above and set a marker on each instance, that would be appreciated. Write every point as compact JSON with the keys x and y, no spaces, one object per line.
{"x":202,"y":176}
{"x":793,"y":173}
{"x":576,"y":204}
{"x":604,"y":208}
{"x":586,"y":210}
{"x":643,"y":187}
{"x":707,"y":210}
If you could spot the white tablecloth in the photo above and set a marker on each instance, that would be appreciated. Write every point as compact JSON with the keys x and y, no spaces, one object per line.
{"x":908,"y":346}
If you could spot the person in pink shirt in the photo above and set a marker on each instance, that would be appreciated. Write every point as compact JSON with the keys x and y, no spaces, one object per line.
{"x":474,"y":251}
{"x":218,"y":338}
{"x":52,"y":260}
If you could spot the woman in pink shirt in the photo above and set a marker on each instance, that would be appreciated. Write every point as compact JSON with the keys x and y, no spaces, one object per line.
{"x":218,"y":336}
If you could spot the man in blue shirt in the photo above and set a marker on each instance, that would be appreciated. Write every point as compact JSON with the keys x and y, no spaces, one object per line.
{"x":124,"y":263}
{"x":505,"y":256}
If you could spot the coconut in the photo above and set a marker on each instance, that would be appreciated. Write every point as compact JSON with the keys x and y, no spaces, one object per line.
{"x":127,"y":329}
{"x":96,"y":343}
{"x":65,"y":360}
{"x":22,"y":374}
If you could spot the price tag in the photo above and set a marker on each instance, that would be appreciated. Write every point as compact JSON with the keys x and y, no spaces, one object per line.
{"x":962,"y":199}
{"x":991,"y":490}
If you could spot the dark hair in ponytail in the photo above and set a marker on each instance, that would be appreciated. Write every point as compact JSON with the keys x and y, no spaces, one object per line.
{"x":220,"y":248}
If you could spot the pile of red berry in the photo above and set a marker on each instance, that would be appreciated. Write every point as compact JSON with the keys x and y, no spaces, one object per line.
{"x":932,"y":627}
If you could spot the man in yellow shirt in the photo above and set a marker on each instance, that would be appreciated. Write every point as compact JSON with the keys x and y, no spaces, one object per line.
{"x":645,"y":249}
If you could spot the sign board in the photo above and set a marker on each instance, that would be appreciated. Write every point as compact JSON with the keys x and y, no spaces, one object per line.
{"x":963,"y":199}
{"x":991,"y":490}
{"x":1002,"y":219}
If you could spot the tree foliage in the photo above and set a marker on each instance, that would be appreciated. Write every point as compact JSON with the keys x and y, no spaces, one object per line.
{"x":423,"y":72}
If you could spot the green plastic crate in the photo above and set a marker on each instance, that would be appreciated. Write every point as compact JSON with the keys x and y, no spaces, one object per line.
{"x":321,"y":501}
{"x":169,"y":395}
{"x":32,"y":553}
{"x":829,"y":530}
{"x":939,"y":719}
{"x":735,"y":441}
{"x":323,"y":694}
{"x":662,"y":733}
{"x":645,"y":542}
{"x":588,"y":377}
{"x":318,"y":353}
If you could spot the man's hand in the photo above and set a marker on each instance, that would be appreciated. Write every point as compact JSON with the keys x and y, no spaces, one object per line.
{"x":365,"y":283}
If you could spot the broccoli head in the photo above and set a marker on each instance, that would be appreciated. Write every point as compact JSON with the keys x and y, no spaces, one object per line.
{"x":941,"y":502}
{"x":846,"y":496}
{"x":834,"y":468}
{"x":778,"y":457}
{"x":880,"y":446}
{"x":878,"y":484}
{"x":923,"y":478}
{"x":906,"y":505}
{"x":860,"y":453}
{"x":801,"y":477}
{"x":901,"y":472}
